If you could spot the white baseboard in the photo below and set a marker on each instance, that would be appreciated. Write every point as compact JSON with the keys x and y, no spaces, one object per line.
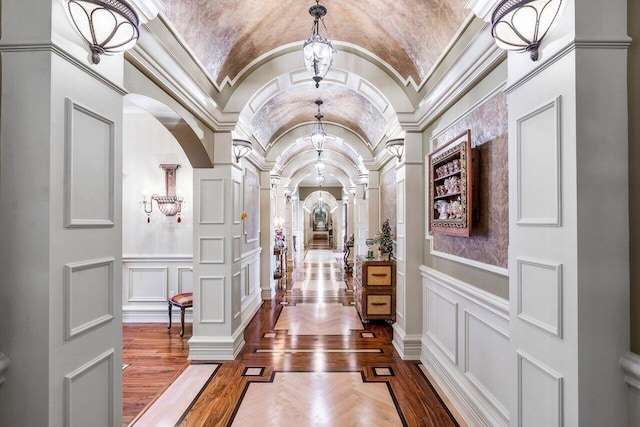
{"x":216,"y":348}
{"x":407,"y":346}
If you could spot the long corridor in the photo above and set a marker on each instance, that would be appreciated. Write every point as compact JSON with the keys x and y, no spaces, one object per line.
{"x":308,"y":361}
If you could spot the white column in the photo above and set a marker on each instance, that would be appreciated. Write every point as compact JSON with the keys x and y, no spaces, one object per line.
{"x":409,"y":249}
{"x":267,"y":211}
{"x":217,"y":251}
{"x":288,"y":230}
{"x":373,"y":203}
{"x":361,"y":221}
{"x":60,"y":222}
{"x":569,"y":225}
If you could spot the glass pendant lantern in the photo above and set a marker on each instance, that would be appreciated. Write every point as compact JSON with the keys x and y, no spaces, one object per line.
{"x":318,"y":51}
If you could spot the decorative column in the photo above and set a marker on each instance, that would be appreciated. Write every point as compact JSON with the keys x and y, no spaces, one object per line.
{"x":569,"y":224}
{"x":288,"y":231}
{"x":267,"y":212}
{"x":361,"y":221}
{"x":373,"y":202}
{"x":409,"y":248}
{"x":217,"y":251}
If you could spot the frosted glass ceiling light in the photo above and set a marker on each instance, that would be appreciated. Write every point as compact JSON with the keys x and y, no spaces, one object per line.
{"x":318,"y":51}
{"x":318,"y":135}
{"x":520,"y":25}
{"x":241,"y":147}
{"x":395,"y":147}
{"x":108,"y":26}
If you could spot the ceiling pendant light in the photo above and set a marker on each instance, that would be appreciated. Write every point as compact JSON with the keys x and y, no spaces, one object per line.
{"x":318,"y":51}
{"x":108,"y":26}
{"x":520,"y":25}
{"x":320,"y":165}
{"x":320,"y":180}
{"x":318,"y":135}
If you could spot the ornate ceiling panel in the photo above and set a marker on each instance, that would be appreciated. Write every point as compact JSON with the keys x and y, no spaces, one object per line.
{"x":341,"y":106}
{"x":227,"y":35}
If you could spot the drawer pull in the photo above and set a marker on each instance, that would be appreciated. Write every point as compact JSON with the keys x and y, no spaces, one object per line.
{"x":378,"y":303}
{"x":379,"y":274}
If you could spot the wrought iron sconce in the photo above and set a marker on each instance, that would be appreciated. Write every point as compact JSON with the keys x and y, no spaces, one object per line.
{"x":395,"y":147}
{"x":171,"y":204}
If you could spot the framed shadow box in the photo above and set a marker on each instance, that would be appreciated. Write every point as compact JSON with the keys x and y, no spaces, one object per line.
{"x":452,"y":182}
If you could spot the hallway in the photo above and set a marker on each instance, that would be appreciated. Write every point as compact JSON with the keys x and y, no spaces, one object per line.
{"x":308,"y":361}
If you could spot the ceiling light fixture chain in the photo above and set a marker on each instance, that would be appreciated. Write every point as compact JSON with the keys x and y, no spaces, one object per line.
{"x":318,"y":51}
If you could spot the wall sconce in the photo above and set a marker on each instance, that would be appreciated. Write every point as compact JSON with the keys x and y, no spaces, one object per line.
{"x":171,"y":204}
{"x":275,"y":179}
{"x":241,"y":147}
{"x":108,"y":26}
{"x":364,"y":179}
{"x":520,"y":25}
{"x":395,"y":147}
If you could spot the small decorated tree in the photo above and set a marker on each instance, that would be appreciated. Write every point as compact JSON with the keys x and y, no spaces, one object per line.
{"x":385,"y":240}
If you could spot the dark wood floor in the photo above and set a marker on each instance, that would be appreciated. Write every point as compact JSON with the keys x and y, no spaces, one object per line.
{"x":156,"y":356}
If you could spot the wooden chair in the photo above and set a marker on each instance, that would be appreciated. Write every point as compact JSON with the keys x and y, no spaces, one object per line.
{"x":182,"y":301}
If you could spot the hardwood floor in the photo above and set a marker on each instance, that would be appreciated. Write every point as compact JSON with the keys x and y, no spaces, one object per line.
{"x":270,"y":353}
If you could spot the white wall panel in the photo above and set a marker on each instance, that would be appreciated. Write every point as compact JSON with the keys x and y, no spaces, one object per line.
{"x":237,"y":293}
{"x":486,"y":356}
{"x":212,"y":201}
{"x":237,"y":201}
{"x":147,"y":284}
{"x":400,"y":294}
{"x":185,"y":279}
{"x":89,"y":168}
{"x":88,"y":295}
{"x":237,"y":248}
{"x":442,"y":323}
{"x":540,"y":394}
{"x":212,"y":250}
{"x":539,"y":296}
{"x":400,"y":248}
{"x":538,"y":157}
{"x":401,"y":201}
{"x":212,"y":291}
{"x":89,"y":393}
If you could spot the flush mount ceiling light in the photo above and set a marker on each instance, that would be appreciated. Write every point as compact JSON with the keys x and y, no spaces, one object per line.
{"x":241,"y":147}
{"x":318,"y":135}
{"x":318,"y":51}
{"x":108,"y":26}
{"x":520,"y":25}
{"x":395,"y":147}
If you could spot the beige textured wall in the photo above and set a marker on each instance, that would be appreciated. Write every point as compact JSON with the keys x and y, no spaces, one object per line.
{"x":633,"y":29}
{"x":488,"y":281}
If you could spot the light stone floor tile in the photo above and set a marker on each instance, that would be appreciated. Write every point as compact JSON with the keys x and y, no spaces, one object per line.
{"x":319,"y":319}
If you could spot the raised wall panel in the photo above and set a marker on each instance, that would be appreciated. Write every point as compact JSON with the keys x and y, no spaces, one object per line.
{"x":539,"y":296}
{"x":212,"y":201}
{"x":540,"y":394}
{"x":185,"y":279}
{"x":89,"y":168}
{"x":88,"y":290}
{"x":401,"y":202}
{"x":212,"y":250}
{"x":148,"y":284}
{"x":237,"y":248}
{"x":538,"y":169}
{"x":89,"y":392}
{"x":237,"y":201}
{"x":442,"y":323}
{"x":400,"y":294}
{"x":400,"y":248}
{"x":212,"y":291}
{"x":486,"y":356}
{"x":236,"y":306}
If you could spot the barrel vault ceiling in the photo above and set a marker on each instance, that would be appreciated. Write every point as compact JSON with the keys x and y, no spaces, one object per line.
{"x":404,"y":37}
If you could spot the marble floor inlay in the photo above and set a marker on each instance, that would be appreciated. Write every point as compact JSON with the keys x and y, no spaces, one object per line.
{"x":319,"y":319}
{"x":317,"y":399}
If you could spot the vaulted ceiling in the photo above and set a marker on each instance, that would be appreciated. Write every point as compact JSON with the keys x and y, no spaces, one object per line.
{"x":404,"y":38}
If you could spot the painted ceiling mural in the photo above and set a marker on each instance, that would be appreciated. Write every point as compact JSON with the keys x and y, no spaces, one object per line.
{"x":341,"y":106}
{"x":227,"y":35}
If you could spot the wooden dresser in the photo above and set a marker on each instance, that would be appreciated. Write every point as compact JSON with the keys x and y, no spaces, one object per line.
{"x":374,"y":288}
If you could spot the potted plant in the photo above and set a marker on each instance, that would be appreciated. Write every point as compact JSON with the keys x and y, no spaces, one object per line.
{"x":385,"y":241}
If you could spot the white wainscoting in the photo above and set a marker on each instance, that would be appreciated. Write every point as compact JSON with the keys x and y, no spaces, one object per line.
{"x":465,"y":347}
{"x":147,"y":282}
{"x":251,"y":297}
